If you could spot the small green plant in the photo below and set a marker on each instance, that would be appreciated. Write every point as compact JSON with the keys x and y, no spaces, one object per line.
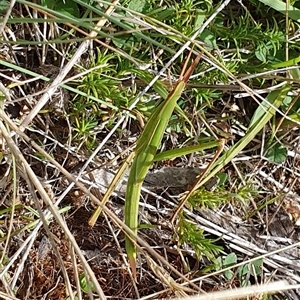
{"x":209,"y":199}
{"x":85,"y":132}
{"x":225,"y":262}
{"x":277,"y":153}
{"x":242,"y":273}
{"x":85,"y":284}
{"x":188,"y":15}
{"x":189,"y":233}
{"x":251,"y":269}
{"x":99,"y":83}
{"x":87,"y":113}
{"x":212,"y":197}
{"x":66,"y":7}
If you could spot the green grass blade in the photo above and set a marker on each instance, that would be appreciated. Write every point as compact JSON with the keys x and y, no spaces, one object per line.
{"x":276,"y":98}
{"x":184,"y":151}
{"x":145,"y":151}
{"x":280,"y":6}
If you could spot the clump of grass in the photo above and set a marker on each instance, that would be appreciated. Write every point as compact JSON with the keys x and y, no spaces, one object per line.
{"x":241,"y":40}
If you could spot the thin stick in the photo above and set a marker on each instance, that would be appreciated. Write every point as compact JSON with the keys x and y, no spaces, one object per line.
{"x":117,"y":178}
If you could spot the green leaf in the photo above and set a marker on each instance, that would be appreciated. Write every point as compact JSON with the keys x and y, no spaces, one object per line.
{"x":138,"y":5}
{"x":295,"y":73}
{"x":164,"y":14}
{"x":2,"y":97}
{"x":200,"y":17}
{"x":288,"y":63}
{"x":223,"y":177}
{"x":273,"y":97}
{"x":69,"y":7}
{"x":261,"y":53}
{"x":85,"y":284}
{"x":243,"y":270}
{"x":277,"y":153}
{"x":169,"y":154}
{"x":280,"y":6}
{"x":218,"y":263}
{"x":256,"y":267}
{"x":208,"y":38}
{"x":287,"y":102}
{"x":3,"y":5}
{"x":229,"y":274}
{"x":125,"y":42}
{"x":230,"y":260}
{"x":66,"y":7}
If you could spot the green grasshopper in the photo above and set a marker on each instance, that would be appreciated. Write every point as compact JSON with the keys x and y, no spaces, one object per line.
{"x":145,"y":152}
